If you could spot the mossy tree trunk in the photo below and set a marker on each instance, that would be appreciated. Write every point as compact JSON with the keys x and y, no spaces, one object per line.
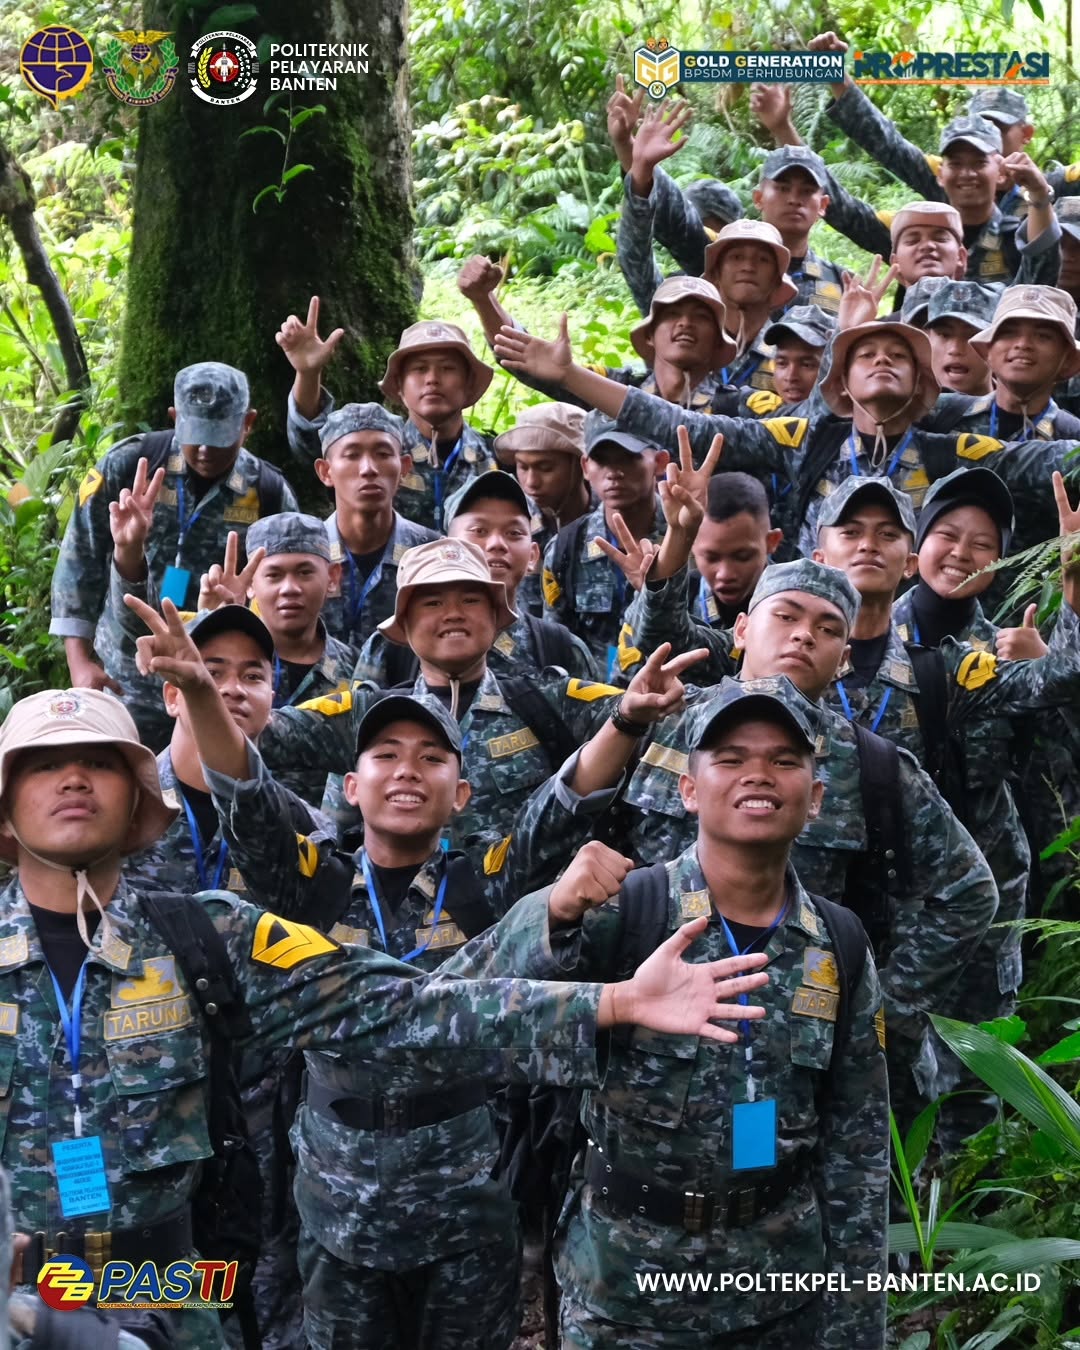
{"x":211,"y":279}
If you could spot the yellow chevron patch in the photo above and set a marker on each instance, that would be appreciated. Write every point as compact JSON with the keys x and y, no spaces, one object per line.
{"x":588,"y":691}
{"x":879,"y":1026}
{"x":1072,"y":173}
{"x":970,"y":446}
{"x":977,"y":669}
{"x":628,"y":654}
{"x":283,"y":944}
{"x":551,"y":588}
{"x":787,"y":431}
{"x":763,"y":401}
{"x":495,"y":857}
{"x":330,"y":705}
{"x":89,"y":485}
{"x":309,"y":856}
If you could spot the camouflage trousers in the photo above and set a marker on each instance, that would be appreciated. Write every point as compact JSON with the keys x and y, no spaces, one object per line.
{"x":469,"y":1301}
{"x":580,"y":1329}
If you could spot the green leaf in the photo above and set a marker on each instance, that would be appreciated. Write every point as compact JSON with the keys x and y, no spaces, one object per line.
{"x":1009,"y":1030}
{"x":920,"y":1134}
{"x":1017,"y":1080}
{"x":1009,"y":1258}
{"x":298,"y":119}
{"x":1063,"y":842}
{"x":920,"y":1341}
{"x":296,"y":170}
{"x":1064,"y":1052}
{"x":262,"y":131}
{"x":273,"y":189}
{"x":974,"y":1236}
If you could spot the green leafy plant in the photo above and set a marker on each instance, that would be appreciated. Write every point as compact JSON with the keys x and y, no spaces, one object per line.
{"x":294,"y":120}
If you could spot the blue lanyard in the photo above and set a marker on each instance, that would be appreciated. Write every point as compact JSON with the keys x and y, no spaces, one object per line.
{"x":279,"y":702}
{"x":747,"y":374}
{"x":704,"y":596}
{"x":847,"y":705}
{"x":375,"y":575}
{"x":1006,"y":202}
{"x":200,"y":861}
{"x":915,"y":630}
{"x":442,"y":473}
{"x":1037,"y":418}
{"x":779,"y":493}
{"x":373,"y":900}
{"x":744,"y":999}
{"x":71,"y":1021}
{"x":185,"y":523}
{"x":854,"y":441}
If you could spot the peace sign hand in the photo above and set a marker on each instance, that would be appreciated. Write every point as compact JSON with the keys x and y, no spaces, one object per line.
{"x":224,"y":585}
{"x":656,"y":689}
{"x":685,"y":492}
{"x":130,"y":517}
{"x":636,"y":556}
{"x":168,"y":651}
{"x":862,"y":295}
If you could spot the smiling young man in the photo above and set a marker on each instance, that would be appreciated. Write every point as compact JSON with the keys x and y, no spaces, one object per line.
{"x":800,"y":338}
{"x":954,"y":314}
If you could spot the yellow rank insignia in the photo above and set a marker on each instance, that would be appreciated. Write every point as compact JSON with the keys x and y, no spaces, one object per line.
{"x":628,"y":653}
{"x":977,"y":669}
{"x":245,"y":510}
{"x":157,"y":981}
{"x":822,"y":1003}
{"x":787,"y":431}
{"x":588,"y":691}
{"x":763,"y":401}
{"x":695,"y":904}
{"x":551,"y":588}
{"x":89,"y":485}
{"x":819,"y":969}
{"x":970,"y":446}
{"x":879,"y":1026}
{"x":9,"y":1019}
{"x":495,"y":857}
{"x":283,"y":944}
{"x":309,"y":856}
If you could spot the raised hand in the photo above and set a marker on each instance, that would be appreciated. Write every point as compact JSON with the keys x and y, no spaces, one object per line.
{"x":550,"y":361}
{"x":655,"y":138}
{"x":1021,"y":169}
{"x":1021,"y":644}
{"x":656,"y":690}
{"x":1069,"y":530}
{"x":862,"y":295}
{"x":301,"y":343}
{"x":634,"y":558}
{"x":827,"y":42}
{"x":130,"y":517}
{"x":168,"y":651}
{"x":595,"y":876}
{"x":684,"y":493}
{"x":478,"y":278}
{"x":669,"y":994}
{"x":623,"y":115}
{"x":771,"y":105}
{"x":224,"y":585}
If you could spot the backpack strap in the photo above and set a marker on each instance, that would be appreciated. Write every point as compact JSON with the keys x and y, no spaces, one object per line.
{"x":565,"y":551}
{"x":643,"y":907}
{"x":849,"y":942}
{"x":270,"y":485}
{"x":156,"y":446}
{"x":402,"y":667}
{"x":884,"y":868}
{"x":944,"y":752}
{"x":536,"y":712}
{"x":551,"y":642}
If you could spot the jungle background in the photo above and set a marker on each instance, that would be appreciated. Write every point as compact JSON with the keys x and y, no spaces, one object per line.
{"x":184,"y":233}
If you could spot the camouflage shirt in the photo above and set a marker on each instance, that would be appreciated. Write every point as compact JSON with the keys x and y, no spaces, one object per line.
{"x":982,"y":417}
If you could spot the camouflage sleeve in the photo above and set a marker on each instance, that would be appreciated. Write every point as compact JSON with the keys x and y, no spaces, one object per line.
{"x":303,"y":434}
{"x":130,"y":626}
{"x":871,"y":130}
{"x":288,"y":497}
{"x":749,"y":447}
{"x":282,"y":848}
{"x":1037,"y":263}
{"x":983,"y":685}
{"x":304,"y":990}
{"x":634,"y":246}
{"x":660,"y":613}
{"x":371,"y":663}
{"x":319,"y":734}
{"x":851,"y":216}
{"x":677,"y":225}
{"x":855,"y":1175}
{"x":941,"y":920}
{"x":553,"y":585}
{"x":583,"y":666}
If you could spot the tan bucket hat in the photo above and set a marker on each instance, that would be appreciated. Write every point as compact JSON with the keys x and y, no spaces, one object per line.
{"x":672,"y":292}
{"x":1047,"y":304}
{"x":432,"y":335}
{"x":938,"y":214}
{"x":833,"y":384}
{"x":752,"y":232}
{"x":437,"y":563}
{"x":558,"y":427}
{"x":85,"y":717}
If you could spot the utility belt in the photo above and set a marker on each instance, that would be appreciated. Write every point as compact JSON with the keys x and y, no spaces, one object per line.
{"x":168,"y":1240}
{"x":631,"y":1195}
{"x":394,"y":1115}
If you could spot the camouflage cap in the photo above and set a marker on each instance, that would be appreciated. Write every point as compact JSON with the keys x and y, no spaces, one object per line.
{"x":1068,"y":214}
{"x":56,"y":717}
{"x":211,"y":402}
{"x":1046,"y":304}
{"x":673,"y":291}
{"x":938,"y":214}
{"x":855,"y":488}
{"x":917,"y":300}
{"x":437,"y":563}
{"x":600,"y":431}
{"x":710,"y":197}
{"x":808,"y":323}
{"x":999,"y":104}
{"x":210,"y":623}
{"x":773,"y":697}
{"x":976,"y":131}
{"x":812,"y":578}
{"x":409,"y":708}
{"x":352,"y":417}
{"x":786,"y":157}
{"x":494,"y":483}
{"x":752,"y":232}
{"x":969,"y":301}
{"x":433,"y":335}
{"x":558,"y":427}
{"x":289,"y":532}
{"x":969,"y":487}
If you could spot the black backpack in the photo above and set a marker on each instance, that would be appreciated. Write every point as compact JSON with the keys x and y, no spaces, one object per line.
{"x":945,"y":759}
{"x":227,"y":1207}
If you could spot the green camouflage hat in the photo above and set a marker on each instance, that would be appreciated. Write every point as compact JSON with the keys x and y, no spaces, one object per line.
{"x":211,"y":401}
{"x":739,"y":700}
{"x":408,"y":708}
{"x":855,"y":487}
{"x":969,"y":301}
{"x":976,"y":131}
{"x":352,"y":417}
{"x":999,"y":105}
{"x":289,"y":532}
{"x":813,"y":578}
{"x":1068,"y":213}
{"x":493,"y":483}
{"x":710,"y":197}
{"x":917,"y":300}
{"x":786,"y":157}
{"x":808,"y":323}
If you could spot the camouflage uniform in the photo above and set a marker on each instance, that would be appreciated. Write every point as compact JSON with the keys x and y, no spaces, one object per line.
{"x":664,"y":1113}
{"x":587,"y":592}
{"x":82,"y":599}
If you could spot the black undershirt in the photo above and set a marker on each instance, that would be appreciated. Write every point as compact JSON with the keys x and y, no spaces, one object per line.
{"x":466,"y":694}
{"x":64,"y":949}
{"x":202,"y":806}
{"x":1009,"y":424}
{"x":972,"y":232}
{"x":199,"y":485}
{"x":938,"y":617}
{"x":867,"y":655}
{"x":366,"y":563}
{"x":392,"y":884}
{"x":746,"y":935}
{"x":868,"y":438}
{"x":293,"y":675}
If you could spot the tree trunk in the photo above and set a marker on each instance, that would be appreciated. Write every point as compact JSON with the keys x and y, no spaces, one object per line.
{"x":211,"y":279}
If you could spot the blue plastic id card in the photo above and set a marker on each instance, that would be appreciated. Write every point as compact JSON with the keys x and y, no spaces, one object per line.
{"x":612,"y":662}
{"x":175,"y":585}
{"x":753,"y":1135}
{"x":80,"y":1177}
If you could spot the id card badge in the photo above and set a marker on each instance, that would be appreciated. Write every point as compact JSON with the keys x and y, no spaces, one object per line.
{"x":80,"y":1177}
{"x":175,"y":585}
{"x":612,"y":663}
{"x":753,"y":1135}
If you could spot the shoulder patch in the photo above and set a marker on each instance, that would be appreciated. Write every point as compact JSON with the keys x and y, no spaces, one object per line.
{"x":283,"y":944}
{"x":245,"y":510}
{"x":551,"y":588}
{"x":309,"y":856}
{"x":330,"y":705}
{"x":89,"y":485}
{"x":495,"y":857}
{"x":787,"y":431}
{"x":879,"y":1026}
{"x":628,"y":653}
{"x":588,"y":691}
{"x":970,"y":446}
{"x":763,"y":401}
{"x":977,"y":669}
{"x":1072,"y":173}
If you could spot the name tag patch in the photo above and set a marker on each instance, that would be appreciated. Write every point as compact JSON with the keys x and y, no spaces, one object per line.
{"x":815,"y":1003}
{"x":443,"y":935}
{"x":512,"y":743}
{"x":147,"y":1019}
